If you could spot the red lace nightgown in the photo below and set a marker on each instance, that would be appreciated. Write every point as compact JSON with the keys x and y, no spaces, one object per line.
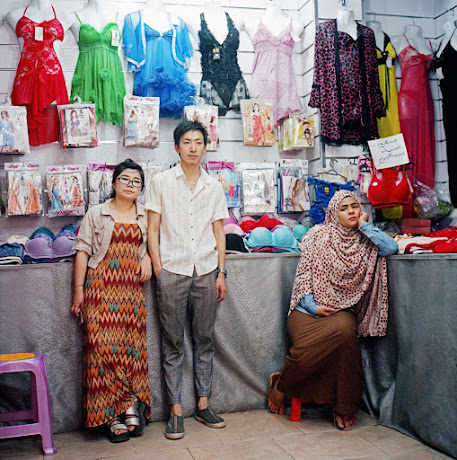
{"x":39,"y":79}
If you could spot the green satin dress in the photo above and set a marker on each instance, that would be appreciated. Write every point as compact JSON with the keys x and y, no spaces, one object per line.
{"x":98,"y":76}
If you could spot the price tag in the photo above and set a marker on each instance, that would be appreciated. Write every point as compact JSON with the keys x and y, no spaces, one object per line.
{"x":115,"y":38}
{"x":38,"y":33}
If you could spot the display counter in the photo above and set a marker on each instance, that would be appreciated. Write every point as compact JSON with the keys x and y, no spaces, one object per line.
{"x":410,"y":375}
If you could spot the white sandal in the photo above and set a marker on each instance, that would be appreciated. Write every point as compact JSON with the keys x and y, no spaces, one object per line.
{"x":134,"y":416}
{"x":114,"y":425}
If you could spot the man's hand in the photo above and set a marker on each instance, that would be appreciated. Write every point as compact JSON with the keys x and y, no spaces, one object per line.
{"x":221,"y":289}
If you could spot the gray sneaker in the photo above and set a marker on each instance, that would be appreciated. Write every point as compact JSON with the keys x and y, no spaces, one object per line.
{"x":209,"y":418}
{"x":175,"y":427}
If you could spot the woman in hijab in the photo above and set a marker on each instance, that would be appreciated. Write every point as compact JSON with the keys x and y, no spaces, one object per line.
{"x":340,"y":293}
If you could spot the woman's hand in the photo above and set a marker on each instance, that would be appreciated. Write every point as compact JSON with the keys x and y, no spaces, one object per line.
{"x":145,"y":268}
{"x":362,"y":218}
{"x":78,"y":300}
{"x":325,"y":311}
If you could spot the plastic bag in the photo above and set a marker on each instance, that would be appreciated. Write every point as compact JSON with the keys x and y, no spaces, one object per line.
{"x":100,"y":180}
{"x":14,"y":136}
{"x":296,"y":133}
{"x":227,"y":175}
{"x":207,"y":115}
{"x":293,"y":193}
{"x":77,"y":125}
{"x":258,"y":124}
{"x":429,"y":203}
{"x":150,"y":170}
{"x":141,"y":121}
{"x":258,"y":187}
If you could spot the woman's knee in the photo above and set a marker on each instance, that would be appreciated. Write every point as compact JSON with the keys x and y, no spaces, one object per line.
{"x":345,"y":325}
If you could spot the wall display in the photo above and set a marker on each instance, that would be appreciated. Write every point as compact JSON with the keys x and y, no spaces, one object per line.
{"x":222,"y":82}
{"x":141,"y":121}
{"x":226,"y":173}
{"x":258,"y":188}
{"x":159,"y":62}
{"x":77,"y":125}
{"x":258,"y":125}
{"x":39,"y":79}
{"x":150,"y":170}
{"x":293,"y":193}
{"x":100,"y":182}
{"x":24,"y":189}
{"x":98,"y":76}
{"x":346,"y":85}
{"x":296,"y":133}
{"x":14,"y":137}
{"x":207,"y":115}
{"x":65,"y":189}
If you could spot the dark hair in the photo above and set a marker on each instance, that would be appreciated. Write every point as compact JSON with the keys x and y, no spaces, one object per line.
{"x":127,"y":164}
{"x":186,"y":126}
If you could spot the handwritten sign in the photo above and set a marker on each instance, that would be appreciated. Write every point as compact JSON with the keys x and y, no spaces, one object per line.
{"x":388,"y":152}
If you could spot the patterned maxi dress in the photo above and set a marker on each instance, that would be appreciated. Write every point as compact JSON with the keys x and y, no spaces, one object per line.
{"x":115,"y":348}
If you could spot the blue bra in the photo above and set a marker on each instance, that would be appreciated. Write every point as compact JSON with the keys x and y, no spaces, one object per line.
{"x":280,"y":237}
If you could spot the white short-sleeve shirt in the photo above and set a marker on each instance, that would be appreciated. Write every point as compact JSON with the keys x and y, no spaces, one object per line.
{"x":186,"y":233}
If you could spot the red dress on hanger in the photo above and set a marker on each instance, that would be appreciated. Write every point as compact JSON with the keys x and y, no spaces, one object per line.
{"x":415,"y":109}
{"x":39,"y":78}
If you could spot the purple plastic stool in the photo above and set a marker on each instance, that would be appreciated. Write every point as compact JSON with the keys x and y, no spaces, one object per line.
{"x":40,"y":412}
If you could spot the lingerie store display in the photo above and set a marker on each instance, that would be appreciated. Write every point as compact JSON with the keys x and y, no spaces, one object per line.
{"x":346,"y":85}
{"x":222,"y":82}
{"x":207,"y":115}
{"x":65,"y":189}
{"x":14,"y":136}
{"x":159,"y":62}
{"x":141,"y":122}
{"x":39,"y":78}
{"x":77,"y":126}
{"x":98,"y":76}
{"x":258,"y":125}
{"x":225,"y":172}
{"x":293,"y":193}
{"x":150,"y":170}
{"x":295,"y":133}
{"x":273,"y":75}
{"x":24,"y":189}
{"x":99,"y":181}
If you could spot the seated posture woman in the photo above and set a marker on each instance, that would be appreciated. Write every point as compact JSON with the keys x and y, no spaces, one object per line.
{"x":340,"y":293}
{"x":112,"y":243}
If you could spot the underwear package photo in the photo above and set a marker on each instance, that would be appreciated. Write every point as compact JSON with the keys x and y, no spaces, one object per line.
{"x":65,"y":188}
{"x":24,"y":189}
{"x":293,"y":195}
{"x":207,"y":115}
{"x":77,"y":126}
{"x":258,"y":122}
{"x":99,"y":182}
{"x":225,"y":172}
{"x":296,"y":133}
{"x":150,"y":170}
{"x":14,"y":135}
{"x":141,"y":122}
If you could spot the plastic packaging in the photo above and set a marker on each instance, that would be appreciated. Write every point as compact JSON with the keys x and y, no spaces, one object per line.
{"x":429,"y":203}
{"x":14,"y":135}
{"x":100,"y":180}
{"x":150,"y":170}
{"x":77,"y":125}
{"x":207,"y":115}
{"x":296,"y":133}
{"x":227,"y":175}
{"x":293,"y":193}
{"x":258,"y":188}
{"x":258,"y":124}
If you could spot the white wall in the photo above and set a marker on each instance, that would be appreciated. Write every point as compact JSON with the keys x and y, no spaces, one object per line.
{"x":110,"y":149}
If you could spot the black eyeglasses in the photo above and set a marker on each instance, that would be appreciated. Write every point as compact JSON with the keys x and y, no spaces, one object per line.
{"x":126,"y":181}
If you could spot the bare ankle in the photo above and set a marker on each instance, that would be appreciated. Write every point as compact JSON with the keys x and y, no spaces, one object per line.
{"x":176,"y":409}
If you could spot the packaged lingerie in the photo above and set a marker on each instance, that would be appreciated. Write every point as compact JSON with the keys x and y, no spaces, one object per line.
{"x":227,"y":175}
{"x":296,"y":133}
{"x":65,"y":188}
{"x":24,"y":189}
{"x":293,"y":193}
{"x":77,"y":125}
{"x":258,"y":188}
{"x":14,"y":136}
{"x":207,"y":116}
{"x":323,"y":193}
{"x":141,"y":121}
{"x":99,"y":179}
{"x":258,"y":124}
{"x":150,"y":170}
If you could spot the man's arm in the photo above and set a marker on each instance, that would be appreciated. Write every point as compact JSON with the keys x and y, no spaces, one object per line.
{"x":218,"y":230}
{"x":153,"y":241}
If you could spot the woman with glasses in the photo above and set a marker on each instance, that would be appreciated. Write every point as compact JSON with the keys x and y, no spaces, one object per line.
{"x":111,"y":264}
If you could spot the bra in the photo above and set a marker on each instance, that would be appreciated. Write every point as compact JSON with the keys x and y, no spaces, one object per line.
{"x":264,"y":221}
{"x":233,"y":228}
{"x":280,"y":237}
{"x":43,"y":244}
{"x":389,"y":187}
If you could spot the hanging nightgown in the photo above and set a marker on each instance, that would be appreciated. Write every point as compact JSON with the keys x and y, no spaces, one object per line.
{"x":39,"y":79}
{"x":273,"y":74}
{"x":390,"y":124}
{"x":98,"y":75}
{"x":222,"y":83}
{"x":158,"y":61}
{"x":415,"y":108}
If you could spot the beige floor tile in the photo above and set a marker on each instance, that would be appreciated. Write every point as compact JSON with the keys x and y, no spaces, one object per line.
{"x":389,"y":440}
{"x":179,"y":454}
{"x":327,"y":446}
{"x":422,"y":454}
{"x":257,"y":424}
{"x":196,"y":435}
{"x":255,"y":449}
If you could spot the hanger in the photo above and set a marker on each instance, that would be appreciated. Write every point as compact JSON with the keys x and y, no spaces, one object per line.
{"x":343,"y":2}
{"x":332,"y":171}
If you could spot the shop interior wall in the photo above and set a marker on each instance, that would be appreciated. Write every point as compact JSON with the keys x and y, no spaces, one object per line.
{"x":110,"y":149}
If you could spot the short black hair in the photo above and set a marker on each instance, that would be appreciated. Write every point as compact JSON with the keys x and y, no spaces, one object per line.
{"x":127,"y":164}
{"x":186,"y":126}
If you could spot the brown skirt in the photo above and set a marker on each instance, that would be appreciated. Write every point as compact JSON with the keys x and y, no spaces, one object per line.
{"x":324,"y":365}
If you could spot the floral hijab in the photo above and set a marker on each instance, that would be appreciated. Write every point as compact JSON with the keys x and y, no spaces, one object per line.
{"x":340,"y":266}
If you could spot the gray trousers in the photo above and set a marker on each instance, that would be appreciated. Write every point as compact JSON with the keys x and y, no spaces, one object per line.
{"x":176,"y":294}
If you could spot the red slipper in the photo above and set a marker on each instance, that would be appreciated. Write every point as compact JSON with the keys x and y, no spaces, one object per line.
{"x":272,"y":382}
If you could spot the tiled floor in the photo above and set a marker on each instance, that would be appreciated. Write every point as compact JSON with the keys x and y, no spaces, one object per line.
{"x":254,"y":435}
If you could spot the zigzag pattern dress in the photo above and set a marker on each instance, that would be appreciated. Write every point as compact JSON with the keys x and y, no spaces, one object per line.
{"x":115,"y":348}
